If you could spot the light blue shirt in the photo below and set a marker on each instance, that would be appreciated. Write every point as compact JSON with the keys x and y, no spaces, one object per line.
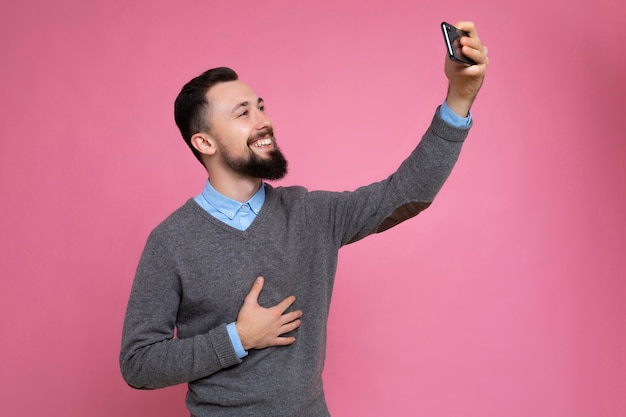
{"x":241,"y":215}
{"x":233,"y":213}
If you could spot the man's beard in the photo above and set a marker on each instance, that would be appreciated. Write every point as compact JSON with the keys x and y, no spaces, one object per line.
{"x":272,"y":168}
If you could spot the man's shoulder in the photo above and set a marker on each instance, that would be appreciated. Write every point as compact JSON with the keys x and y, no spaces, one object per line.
{"x":285,"y":194}
{"x":300,"y":201}
{"x":181,"y":218}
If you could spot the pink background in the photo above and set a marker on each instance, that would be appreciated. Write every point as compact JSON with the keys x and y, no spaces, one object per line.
{"x":506,"y":298}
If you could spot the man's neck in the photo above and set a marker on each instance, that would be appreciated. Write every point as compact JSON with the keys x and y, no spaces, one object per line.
{"x":236,"y":188}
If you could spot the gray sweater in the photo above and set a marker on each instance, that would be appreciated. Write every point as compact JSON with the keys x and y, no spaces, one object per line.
{"x":195,"y":272}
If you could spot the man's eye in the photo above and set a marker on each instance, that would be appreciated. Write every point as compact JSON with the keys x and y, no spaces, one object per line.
{"x":262,"y":108}
{"x":244,"y":113}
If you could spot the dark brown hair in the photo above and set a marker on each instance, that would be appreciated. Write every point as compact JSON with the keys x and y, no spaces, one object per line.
{"x":191,"y":105}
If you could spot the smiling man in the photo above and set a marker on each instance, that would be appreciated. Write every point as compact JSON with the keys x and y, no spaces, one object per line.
{"x":240,"y":142}
{"x":233,"y":289}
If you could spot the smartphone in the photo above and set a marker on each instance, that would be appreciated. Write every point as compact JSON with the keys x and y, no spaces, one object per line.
{"x":452,"y":37}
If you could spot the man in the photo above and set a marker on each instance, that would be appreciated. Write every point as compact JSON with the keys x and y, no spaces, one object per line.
{"x":233,"y":289}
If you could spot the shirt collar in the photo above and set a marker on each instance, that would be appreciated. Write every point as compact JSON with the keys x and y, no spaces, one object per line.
{"x":229,"y":207}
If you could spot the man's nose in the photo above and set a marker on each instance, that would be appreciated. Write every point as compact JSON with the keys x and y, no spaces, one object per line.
{"x":262,"y":120}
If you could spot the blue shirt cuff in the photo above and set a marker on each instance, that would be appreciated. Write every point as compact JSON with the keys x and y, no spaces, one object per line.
{"x":452,"y":118}
{"x":234,"y":338}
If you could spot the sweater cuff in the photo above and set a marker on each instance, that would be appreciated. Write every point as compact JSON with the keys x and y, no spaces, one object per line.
{"x":446,"y":131}
{"x":223,"y":347}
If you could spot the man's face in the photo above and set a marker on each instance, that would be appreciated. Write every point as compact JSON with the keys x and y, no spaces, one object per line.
{"x":244,"y":133}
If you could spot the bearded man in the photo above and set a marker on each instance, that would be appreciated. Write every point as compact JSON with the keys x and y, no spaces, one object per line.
{"x":233,"y":289}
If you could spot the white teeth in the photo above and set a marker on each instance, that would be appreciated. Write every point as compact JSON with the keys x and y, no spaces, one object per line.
{"x":262,"y":142}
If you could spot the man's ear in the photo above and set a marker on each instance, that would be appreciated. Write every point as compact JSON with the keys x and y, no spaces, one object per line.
{"x":204,"y":143}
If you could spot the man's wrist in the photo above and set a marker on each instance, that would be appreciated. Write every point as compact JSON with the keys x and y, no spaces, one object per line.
{"x":452,"y":118}
{"x":235,"y":340}
{"x":459,"y":104}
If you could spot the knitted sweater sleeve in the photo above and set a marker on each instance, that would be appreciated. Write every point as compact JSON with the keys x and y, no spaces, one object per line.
{"x":151,"y":356}
{"x":404,"y":194}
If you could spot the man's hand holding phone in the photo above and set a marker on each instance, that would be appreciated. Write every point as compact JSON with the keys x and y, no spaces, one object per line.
{"x":465,"y":67}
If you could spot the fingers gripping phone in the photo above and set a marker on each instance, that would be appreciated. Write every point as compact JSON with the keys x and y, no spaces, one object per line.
{"x":452,"y":37}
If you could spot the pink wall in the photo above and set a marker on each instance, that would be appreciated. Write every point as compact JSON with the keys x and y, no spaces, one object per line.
{"x":506,"y":298}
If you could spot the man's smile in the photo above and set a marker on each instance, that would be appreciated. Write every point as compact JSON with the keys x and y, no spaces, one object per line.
{"x":261,"y":143}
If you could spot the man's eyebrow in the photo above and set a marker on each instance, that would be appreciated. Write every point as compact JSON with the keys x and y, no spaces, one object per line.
{"x":246,"y":104}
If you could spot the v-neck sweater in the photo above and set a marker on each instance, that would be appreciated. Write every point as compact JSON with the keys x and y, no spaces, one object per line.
{"x":195,"y":272}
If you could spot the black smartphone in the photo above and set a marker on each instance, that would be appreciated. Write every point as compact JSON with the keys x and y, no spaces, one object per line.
{"x":452,"y":37}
